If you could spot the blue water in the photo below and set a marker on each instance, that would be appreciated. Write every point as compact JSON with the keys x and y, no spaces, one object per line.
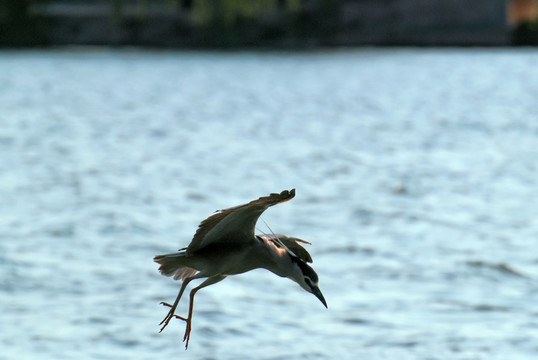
{"x":416,"y":183}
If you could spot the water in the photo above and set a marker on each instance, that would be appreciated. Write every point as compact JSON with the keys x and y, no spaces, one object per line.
{"x":416,"y":183}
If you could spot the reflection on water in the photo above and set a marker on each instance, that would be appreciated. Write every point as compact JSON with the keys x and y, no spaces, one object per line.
{"x":415,"y":175}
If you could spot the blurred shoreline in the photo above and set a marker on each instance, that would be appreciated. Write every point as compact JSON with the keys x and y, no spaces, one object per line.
{"x":267,"y":24}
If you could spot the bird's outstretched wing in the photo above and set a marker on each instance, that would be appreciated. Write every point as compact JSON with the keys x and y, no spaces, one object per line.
{"x":236,"y":224}
{"x":292,"y":244}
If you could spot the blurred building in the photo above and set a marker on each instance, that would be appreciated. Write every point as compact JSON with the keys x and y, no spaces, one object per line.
{"x":523,"y":20}
{"x":425,"y":22}
{"x":520,"y":11}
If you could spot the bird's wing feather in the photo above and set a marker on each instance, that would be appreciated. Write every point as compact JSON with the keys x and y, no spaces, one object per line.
{"x":292,"y":244}
{"x":235,"y":224}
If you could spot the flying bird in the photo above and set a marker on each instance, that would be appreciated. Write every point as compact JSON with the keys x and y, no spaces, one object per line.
{"x":226,"y":244}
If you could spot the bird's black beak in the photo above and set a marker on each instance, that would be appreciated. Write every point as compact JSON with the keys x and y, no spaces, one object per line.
{"x":316,"y":291}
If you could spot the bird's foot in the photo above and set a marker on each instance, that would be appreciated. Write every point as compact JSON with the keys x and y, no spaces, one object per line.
{"x":187,"y":335}
{"x":168,"y":316}
{"x":176,"y":316}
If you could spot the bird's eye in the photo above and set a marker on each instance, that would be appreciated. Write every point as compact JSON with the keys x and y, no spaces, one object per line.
{"x":308,"y":281}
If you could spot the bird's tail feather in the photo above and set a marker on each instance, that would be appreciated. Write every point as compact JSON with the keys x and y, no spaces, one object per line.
{"x":174,"y":265}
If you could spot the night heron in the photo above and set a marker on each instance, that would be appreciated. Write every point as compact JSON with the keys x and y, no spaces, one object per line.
{"x":225,"y":244}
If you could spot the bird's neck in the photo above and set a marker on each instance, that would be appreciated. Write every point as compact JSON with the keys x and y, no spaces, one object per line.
{"x":273,"y":258}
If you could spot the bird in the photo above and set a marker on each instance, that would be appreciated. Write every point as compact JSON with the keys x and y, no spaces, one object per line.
{"x":226,"y":244}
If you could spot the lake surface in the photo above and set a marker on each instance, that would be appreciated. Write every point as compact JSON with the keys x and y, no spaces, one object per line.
{"x":416,"y":177}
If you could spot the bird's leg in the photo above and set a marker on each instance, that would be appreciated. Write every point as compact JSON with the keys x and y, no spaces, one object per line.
{"x":210,"y":281}
{"x":170,"y":314}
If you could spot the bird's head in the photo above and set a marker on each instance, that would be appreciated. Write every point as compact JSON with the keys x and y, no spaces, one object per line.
{"x":307,"y":278}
